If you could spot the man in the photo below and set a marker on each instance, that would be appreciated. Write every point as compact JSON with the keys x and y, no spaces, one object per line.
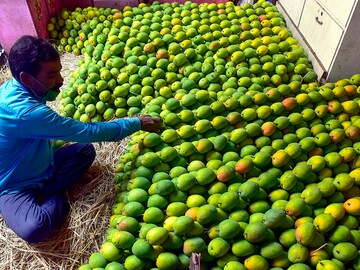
{"x":33,"y":176}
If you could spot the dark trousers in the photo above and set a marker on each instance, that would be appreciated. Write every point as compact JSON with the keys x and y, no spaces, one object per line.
{"x":34,"y":214}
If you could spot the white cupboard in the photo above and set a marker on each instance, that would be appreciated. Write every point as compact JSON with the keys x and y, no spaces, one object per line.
{"x":329,"y":30}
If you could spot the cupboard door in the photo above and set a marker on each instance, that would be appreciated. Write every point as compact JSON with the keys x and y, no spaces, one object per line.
{"x":339,"y":10}
{"x":293,"y":9}
{"x":321,"y":32}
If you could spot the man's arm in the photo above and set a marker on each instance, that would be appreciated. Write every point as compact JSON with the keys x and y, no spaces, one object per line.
{"x":42,"y":122}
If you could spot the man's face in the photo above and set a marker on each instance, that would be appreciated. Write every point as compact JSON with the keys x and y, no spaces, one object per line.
{"x":48,"y":77}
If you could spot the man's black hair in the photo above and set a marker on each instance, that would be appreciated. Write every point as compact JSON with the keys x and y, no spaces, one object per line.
{"x":27,"y":53}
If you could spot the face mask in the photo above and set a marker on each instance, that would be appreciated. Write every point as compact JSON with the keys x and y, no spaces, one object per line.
{"x":51,"y":94}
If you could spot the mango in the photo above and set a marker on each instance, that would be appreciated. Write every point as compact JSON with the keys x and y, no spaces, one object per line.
{"x":256,"y":262}
{"x":185,"y":181}
{"x":339,"y":234}
{"x":271,"y":250}
{"x":167,"y":260}
{"x":324,"y":223}
{"x":248,"y":190}
{"x":228,"y":200}
{"x":352,"y":206}
{"x":311,"y":195}
{"x":205,"y":176}
{"x":327,"y":264}
{"x":182,"y":225}
{"x":255,"y":232}
{"x":229,"y":229}
{"x":295,"y":207}
{"x":193,"y":245}
{"x":234,"y":265}
{"x":205,"y":214}
{"x":288,"y":180}
{"x":273,"y":218}
{"x":157,"y":235}
{"x":336,"y":210}
{"x":243,"y":248}
{"x":305,"y":233}
{"x":142,"y":249}
{"x":316,"y":256}
{"x":343,"y":181}
{"x":345,"y":251}
{"x":298,"y":266}
{"x":298,"y":253}
{"x":218,"y":247}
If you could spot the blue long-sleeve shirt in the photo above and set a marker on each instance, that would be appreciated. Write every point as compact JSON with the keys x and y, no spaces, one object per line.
{"x":27,"y":125}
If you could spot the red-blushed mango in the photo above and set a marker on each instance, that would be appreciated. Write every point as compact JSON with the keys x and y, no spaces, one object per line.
{"x":244,"y":165}
{"x":225,"y":173}
{"x":295,"y":207}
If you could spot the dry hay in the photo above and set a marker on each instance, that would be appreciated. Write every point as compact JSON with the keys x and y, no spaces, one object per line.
{"x":5,"y":73}
{"x":87,"y":222}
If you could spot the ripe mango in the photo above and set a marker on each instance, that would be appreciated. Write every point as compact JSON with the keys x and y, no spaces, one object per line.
{"x":295,"y":207}
{"x":352,"y":206}
{"x":305,"y":233}
{"x":256,"y":262}
{"x":327,"y":265}
{"x":324,"y":223}
{"x":225,"y":173}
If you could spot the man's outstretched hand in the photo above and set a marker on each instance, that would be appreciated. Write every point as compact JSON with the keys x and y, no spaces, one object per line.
{"x":148,"y":123}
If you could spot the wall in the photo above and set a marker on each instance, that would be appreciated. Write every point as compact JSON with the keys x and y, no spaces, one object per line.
{"x":14,"y":21}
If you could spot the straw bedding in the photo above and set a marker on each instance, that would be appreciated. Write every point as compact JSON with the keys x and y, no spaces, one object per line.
{"x":91,"y":204}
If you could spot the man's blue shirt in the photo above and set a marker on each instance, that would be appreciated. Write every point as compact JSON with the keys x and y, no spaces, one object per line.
{"x":27,"y":125}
